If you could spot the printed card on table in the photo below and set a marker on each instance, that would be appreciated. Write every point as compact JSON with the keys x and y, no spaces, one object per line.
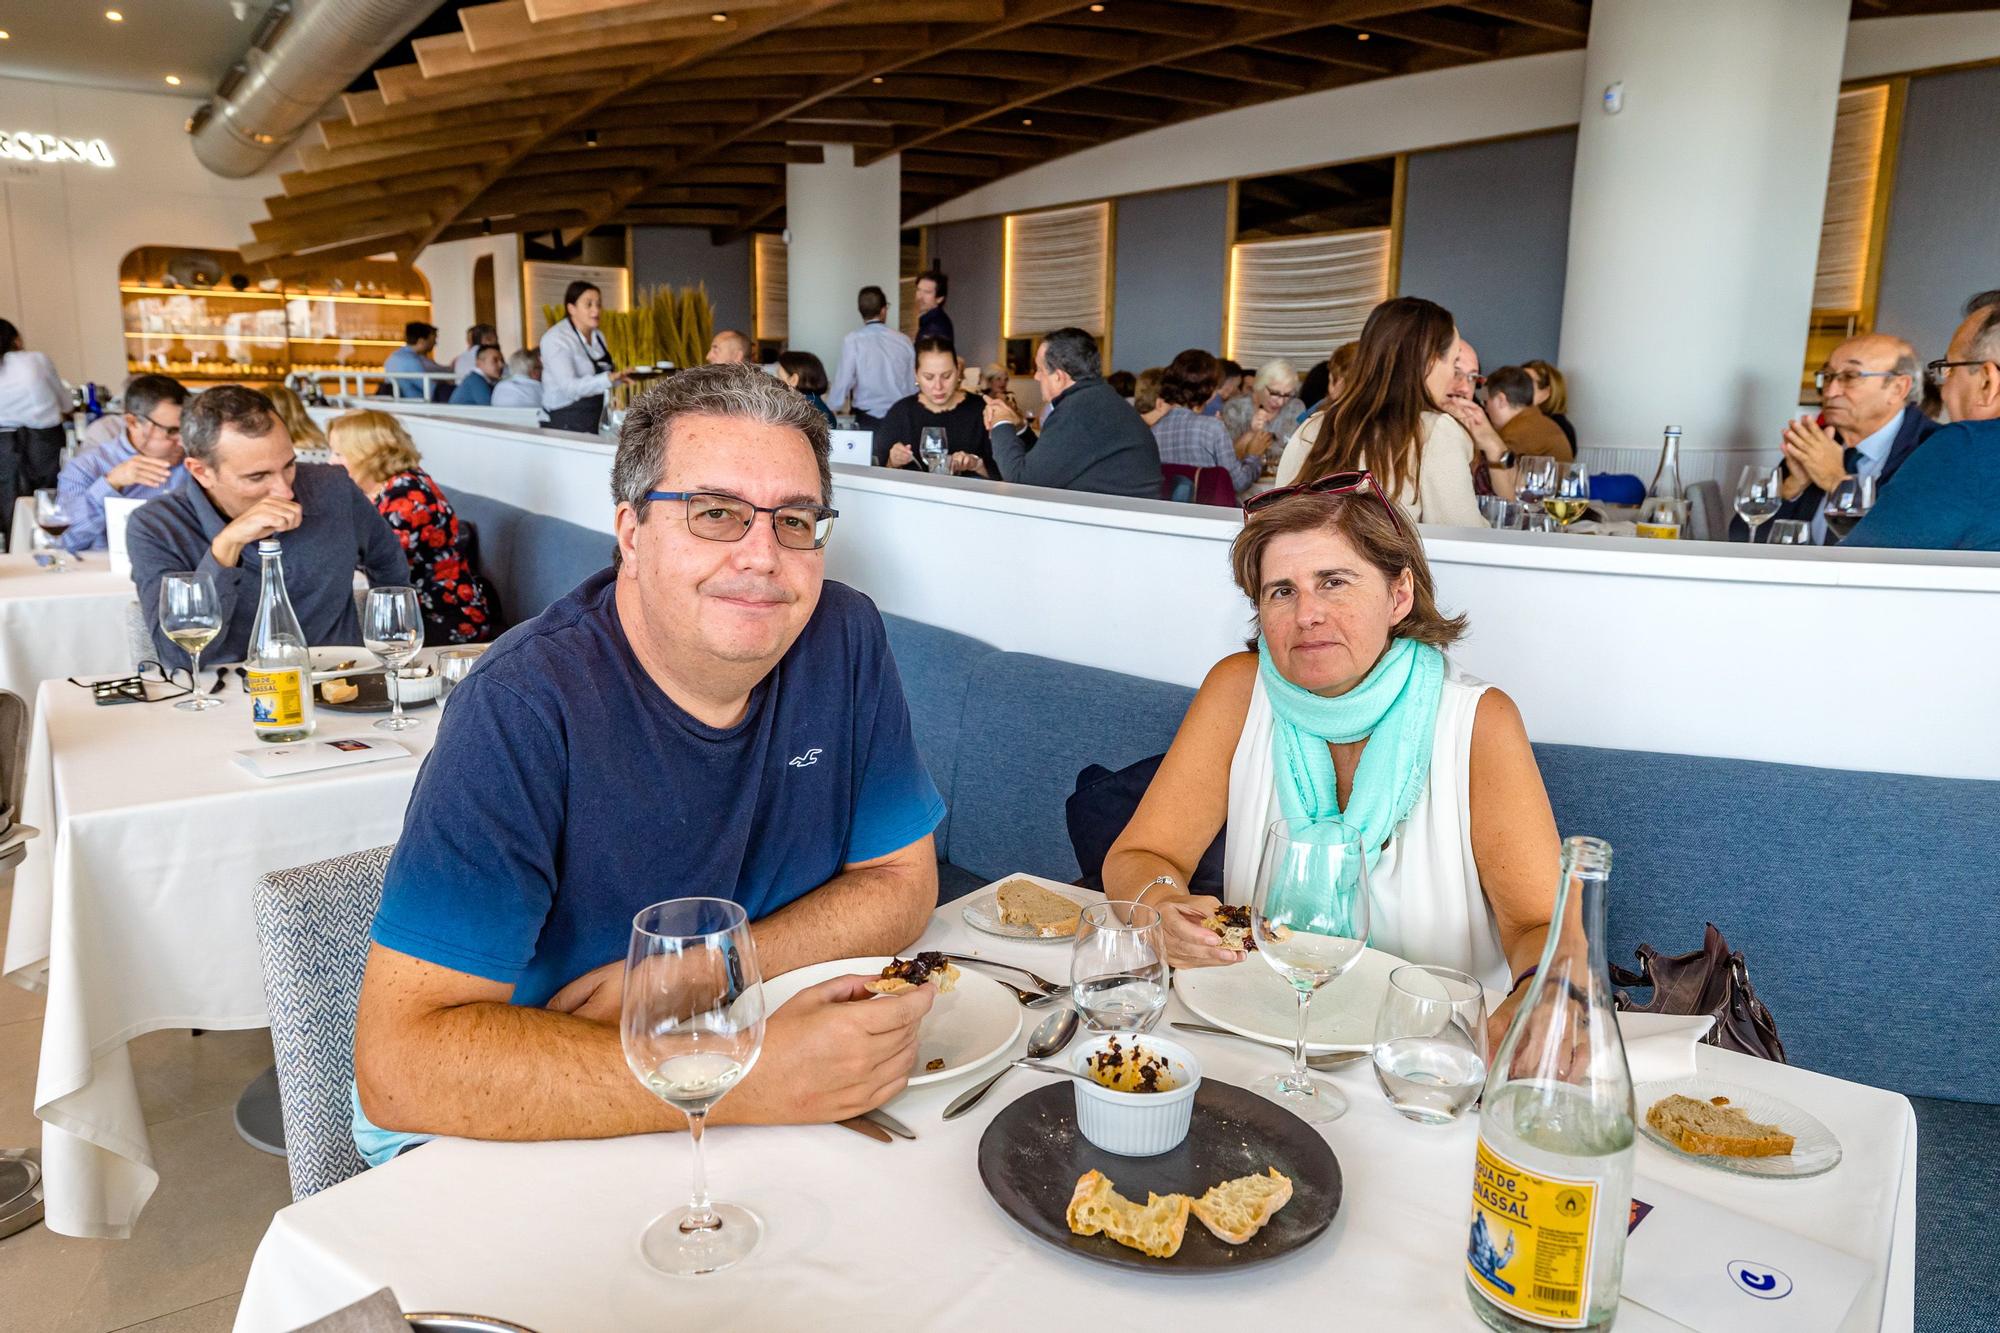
{"x":282,"y":761}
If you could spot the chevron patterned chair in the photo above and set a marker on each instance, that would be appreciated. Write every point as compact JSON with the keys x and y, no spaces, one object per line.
{"x":312,"y":931}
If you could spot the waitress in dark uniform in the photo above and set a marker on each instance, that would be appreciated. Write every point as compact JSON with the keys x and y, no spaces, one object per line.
{"x":576,"y":367}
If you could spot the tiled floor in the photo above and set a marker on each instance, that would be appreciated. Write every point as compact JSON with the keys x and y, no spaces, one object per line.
{"x":184,"y":1267}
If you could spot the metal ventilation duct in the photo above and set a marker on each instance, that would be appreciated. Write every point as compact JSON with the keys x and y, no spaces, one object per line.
{"x":307,"y":52}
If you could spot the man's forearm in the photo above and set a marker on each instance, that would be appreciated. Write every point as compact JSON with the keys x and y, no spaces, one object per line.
{"x":1008,"y":452}
{"x":856,"y":914}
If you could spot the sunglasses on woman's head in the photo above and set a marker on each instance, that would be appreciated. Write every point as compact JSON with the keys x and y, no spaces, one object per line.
{"x":1336,"y":483}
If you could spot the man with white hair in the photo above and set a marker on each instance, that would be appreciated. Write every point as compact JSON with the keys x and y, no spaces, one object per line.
{"x":523,"y":385}
{"x":1268,"y":414}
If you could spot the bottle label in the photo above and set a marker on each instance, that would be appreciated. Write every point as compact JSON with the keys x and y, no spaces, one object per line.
{"x":1531,"y":1238}
{"x":1667,"y":530}
{"x":275,"y":698}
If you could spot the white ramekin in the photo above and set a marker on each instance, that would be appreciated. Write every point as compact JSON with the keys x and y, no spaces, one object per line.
{"x":1136,"y":1124}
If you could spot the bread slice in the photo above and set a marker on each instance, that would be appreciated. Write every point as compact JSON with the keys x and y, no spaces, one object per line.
{"x":1026,"y":903}
{"x":909,"y":973}
{"x":1237,"y":1209}
{"x":1156,"y":1228}
{"x":1709,"y":1129}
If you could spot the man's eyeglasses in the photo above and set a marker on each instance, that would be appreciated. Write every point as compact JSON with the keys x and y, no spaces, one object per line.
{"x":172,"y":432}
{"x":1336,"y":483}
{"x":1847,"y":379}
{"x":719,"y":517}
{"x":1940,"y":370}
{"x":137,"y":688}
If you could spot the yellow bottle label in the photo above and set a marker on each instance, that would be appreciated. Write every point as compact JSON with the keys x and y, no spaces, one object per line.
{"x":275,"y":698}
{"x":1671,"y":531}
{"x":1530,"y":1248}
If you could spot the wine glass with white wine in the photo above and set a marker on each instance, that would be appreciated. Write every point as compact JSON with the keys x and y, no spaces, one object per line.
{"x":692,"y":1026}
{"x":1758,"y":498}
{"x":1569,"y":494}
{"x":392,"y":628}
{"x":191,"y":618}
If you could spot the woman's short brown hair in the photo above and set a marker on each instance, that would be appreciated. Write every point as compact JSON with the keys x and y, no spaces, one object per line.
{"x":1386,"y":540}
{"x":374,"y":445}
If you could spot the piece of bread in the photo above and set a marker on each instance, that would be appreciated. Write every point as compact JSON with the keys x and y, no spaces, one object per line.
{"x":1156,"y":1228}
{"x":1237,"y":1209}
{"x":909,"y":973}
{"x":1709,"y":1129}
{"x":340,"y":690}
{"x":1026,"y":903}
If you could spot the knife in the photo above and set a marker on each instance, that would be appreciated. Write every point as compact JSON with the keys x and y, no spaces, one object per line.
{"x":889,"y":1122}
{"x":866,"y":1128}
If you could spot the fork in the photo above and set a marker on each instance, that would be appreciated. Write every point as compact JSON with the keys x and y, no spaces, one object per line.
{"x":1041,"y":983}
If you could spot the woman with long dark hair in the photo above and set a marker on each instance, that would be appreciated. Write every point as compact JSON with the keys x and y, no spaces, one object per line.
{"x":1388,"y":419}
{"x":32,"y":403}
{"x":806,"y":373}
{"x":577,"y":370}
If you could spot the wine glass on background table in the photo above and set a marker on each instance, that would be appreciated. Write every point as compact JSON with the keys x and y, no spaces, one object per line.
{"x":1118,"y":966}
{"x":191,"y":618}
{"x":1537,"y":481}
{"x":692,"y":1025}
{"x":392,"y":628}
{"x":1847,"y":504}
{"x":1310,"y":922}
{"x":54,"y":521}
{"x":1569,"y":496}
{"x":934,"y":448}
{"x":1758,"y":498}
{"x":1791,"y":532}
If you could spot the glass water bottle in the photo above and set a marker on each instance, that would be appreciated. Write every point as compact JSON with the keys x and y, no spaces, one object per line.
{"x":1552,"y":1187}
{"x":280,"y":667}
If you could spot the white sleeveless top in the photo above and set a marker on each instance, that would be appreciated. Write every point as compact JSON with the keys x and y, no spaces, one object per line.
{"x":1426,"y":902}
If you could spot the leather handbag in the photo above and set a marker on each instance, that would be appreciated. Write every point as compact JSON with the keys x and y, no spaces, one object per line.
{"x":1711,"y":980}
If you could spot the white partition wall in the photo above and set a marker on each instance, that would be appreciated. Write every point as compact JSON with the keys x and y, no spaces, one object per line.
{"x":1877,"y":660}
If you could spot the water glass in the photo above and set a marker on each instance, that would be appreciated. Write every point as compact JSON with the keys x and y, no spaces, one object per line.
{"x":1537,"y":480}
{"x":191,"y":617}
{"x":691,"y":1023}
{"x":1504,"y":515}
{"x":392,"y":628}
{"x":1118,"y":966}
{"x":1791,"y":532}
{"x":933,"y":446}
{"x":1430,"y":1043}
{"x":1539,"y":520}
{"x":454,"y":665}
{"x":1310,"y":923}
{"x":1758,"y":498}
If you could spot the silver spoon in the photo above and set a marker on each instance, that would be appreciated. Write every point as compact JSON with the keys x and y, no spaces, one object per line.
{"x":1332,"y":1060}
{"x":1050,"y":1036}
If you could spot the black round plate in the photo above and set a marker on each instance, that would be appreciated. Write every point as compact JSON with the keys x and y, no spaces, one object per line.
{"x":373,"y":696}
{"x":1032,"y":1154}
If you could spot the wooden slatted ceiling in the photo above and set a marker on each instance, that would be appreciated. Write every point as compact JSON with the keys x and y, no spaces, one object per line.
{"x":568,"y":114}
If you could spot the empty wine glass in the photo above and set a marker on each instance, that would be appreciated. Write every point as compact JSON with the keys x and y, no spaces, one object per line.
{"x":1569,"y":496}
{"x":1430,"y":1043}
{"x":936,"y":451}
{"x":1791,"y":532}
{"x":1310,"y":921}
{"x":691,"y":1023}
{"x":454,"y":665}
{"x":1118,"y":966}
{"x":1757,"y":496}
{"x":54,"y":521}
{"x":1537,"y":481}
{"x":392,"y":628}
{"x":1847,"y":504}
{"x":191,"y":618}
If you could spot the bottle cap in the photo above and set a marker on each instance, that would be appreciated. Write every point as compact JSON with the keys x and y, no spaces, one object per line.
{"x":267,"y":546}
{"x":1673,"y":430}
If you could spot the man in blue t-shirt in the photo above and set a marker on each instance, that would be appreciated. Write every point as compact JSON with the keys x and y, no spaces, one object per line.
{"x":707,"y":717}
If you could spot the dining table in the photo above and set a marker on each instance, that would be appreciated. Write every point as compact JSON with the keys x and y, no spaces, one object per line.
{"x":864,"y":1235}
{"x":60,"y":623}
{"x":133,"y":910}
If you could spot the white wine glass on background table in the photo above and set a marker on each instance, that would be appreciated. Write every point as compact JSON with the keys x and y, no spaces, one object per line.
{"x":1847,"y":504}
{"x":54,"y":521}
{"x":191,"y":618}
{"x":392,"y":628}
{"x":692,"y":1026}
{"x":1569,"y":495}
{"x":1310,"y":922}
{"x":935,"y":449}
{"x":1118,"y":966}
{"x":1537,"y":481}
{"x":1758,"y":498}
{"x":1430,"y":1043}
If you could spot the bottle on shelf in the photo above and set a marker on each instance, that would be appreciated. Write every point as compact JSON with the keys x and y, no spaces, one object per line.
{"x":1552,"y":1185}
{"x":279,"y":670}
{"x":1664,"y":512}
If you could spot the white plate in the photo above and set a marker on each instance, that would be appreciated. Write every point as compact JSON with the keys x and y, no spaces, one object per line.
{"x":1250,"y":998}
{"x":1815,"y":1153}
{"x":982,"y":909}
{"x":973,"y":1025}
{"x":416,"y":689}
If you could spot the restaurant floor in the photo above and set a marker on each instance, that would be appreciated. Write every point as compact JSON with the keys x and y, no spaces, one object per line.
{"x":183,"y":1268}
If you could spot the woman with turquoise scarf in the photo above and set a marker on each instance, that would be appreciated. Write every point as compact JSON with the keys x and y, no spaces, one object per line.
{"x":1347,"y":707}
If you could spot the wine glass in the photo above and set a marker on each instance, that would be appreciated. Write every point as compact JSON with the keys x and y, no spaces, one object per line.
{"x":1847,"y":504}
{"x":1757,"y":496}
{"x":1118,"y":966}
{"x":191,"y":618}
{"x":392,"y":628}
{"x":1537,"y":481}
{"x":1504,"y":515}
{"x":1310,"y":922}
{"x":1791,"y":532}
{"x":1569,"y":495}
{"x":454,"y":665}
{"x":692,"y":1025}
{"x":1430,"y":1043}
{"x":931,"y":443}
{"x":53,"y":520}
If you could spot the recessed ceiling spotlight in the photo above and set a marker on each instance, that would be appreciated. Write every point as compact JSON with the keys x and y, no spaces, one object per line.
{"x":174,"y":80}
{"x":719,"y":18}
{"x":876,"y":79}
{"x":590,"y":138}
{"x":114,"y":16}
{"x":1361,"y":36}
{"x":4,"y":34}
{"x":1097,"y":9}
{"x":1027,"y":120}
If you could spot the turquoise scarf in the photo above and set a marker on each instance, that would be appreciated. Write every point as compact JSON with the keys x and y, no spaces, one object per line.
{"x":1395,"y":707}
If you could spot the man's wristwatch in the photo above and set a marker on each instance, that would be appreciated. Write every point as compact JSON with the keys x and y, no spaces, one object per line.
{"x":1506,"y":460}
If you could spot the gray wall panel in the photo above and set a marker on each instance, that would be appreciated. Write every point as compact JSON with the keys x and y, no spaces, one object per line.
{"x":1172,"y":275}
{"x":969,"y":254}
{"x":683,"y":256}
{"x":1486,"y":235}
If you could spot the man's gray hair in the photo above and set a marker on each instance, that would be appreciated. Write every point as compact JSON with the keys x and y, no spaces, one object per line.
{"x":523,"y":362}
{"x":1906,"y":364}
{"x":1985,"y":344}
{"x":744,"y":392}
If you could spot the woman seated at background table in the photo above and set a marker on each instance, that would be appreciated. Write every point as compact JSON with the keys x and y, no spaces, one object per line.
{"x":379,"y":454}
{"x":806,"y":374}
{"x":1348,"y":708}
{"x":940,"y":401}
{"x":1388,"y":419}
{"x":307,"y":438}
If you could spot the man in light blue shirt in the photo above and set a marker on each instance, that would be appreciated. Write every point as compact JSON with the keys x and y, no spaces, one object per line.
{"x":878,"y":365}
{"x":523,"y":385}
{"x":139,"y":464}
{"x":419,"y":341}
{"x":475,"y":389}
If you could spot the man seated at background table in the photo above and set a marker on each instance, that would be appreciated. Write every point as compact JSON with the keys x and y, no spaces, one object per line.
{"x":1092,"y":440}
{"x":143,"y":460}
{"x":475,"y":389}
{"x":1947,"y":497}
{"x":523,"y":385}
{"x":707,"y":716}
{"x":419,"y":341}
{"x":1524,"y":428}
{"x":728,"y":348}
{"x":244,"y":484}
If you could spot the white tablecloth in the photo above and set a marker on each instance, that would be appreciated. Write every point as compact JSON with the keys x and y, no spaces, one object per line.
{"x":56,"y":625}
{"x":864,"y":1236}
{"x":136,"y":915}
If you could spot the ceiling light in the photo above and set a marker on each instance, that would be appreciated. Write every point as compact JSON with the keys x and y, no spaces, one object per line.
{"x":1027,"y":120}
{"x":114,"y":16}
{"x":1360,"y":36}
{"x":719,"y":18}
{"x":876,"y":79}
{"x":590,"y":138}
{"x":174,"y":80}
{"x":4,"y":34}
{"x":1097,"y":9}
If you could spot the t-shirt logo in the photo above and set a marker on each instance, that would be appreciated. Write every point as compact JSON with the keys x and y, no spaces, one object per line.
{"x":808,"y":759}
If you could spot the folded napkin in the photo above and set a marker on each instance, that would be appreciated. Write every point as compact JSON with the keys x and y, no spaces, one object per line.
{"x":376,"y":1313}
{"x":1661,"y":1046}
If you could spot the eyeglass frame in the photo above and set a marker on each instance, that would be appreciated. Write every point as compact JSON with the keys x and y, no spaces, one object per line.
{"x":171,"y":432}
{"x":1333,"y":483}
{"x":132,"y":688}
{"x":1935,"y":372}
{"x":823,"y":512}
{"x":1846,"y":377}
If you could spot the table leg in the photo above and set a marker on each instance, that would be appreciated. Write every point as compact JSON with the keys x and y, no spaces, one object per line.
{"x":260,"y":1116}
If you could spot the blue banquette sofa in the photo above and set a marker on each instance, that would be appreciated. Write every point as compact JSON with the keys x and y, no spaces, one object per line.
{"x":1865,"y":903}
